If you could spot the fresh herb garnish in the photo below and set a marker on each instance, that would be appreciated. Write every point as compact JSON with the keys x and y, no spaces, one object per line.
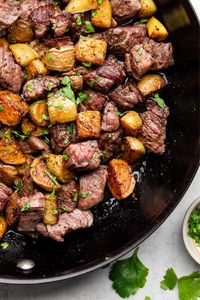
{"x":139,"y":51}
{"x":17,"y":133}
{"x":71,"y":128}
{"x":24,"y":74}
{"x":189,"y":286}
{"x":159,"y":101}
{"x":83,"y":194}
{"x":1,"y":107}
{"x":147,"y":298}
{"x":86,"y":64}
{"x":52,"y":195}
{"x":169,"y":280}
{"x":4,"y":245}
{"x":94,"y":13}
{"x":29,"y":88}
{"x":58,"y":107}
{"x":89,"y":28}
{"x":66,"y":80}
{"x":79,"y":21}
{"x":49,"y":57}
{"x":99,"y":2}
{"x":45,"y":117}
{"x":75,"y":197}
{"x":128,"y":275}
{"x":52,"y":177}
{"x":25,"y":207}
{"x":49,"y":86}
{"x":143,"y":21}
{"x":18,"y":186}
{"x":81,"y":97}
{"x":66,"y":157}
{"x":194,"y":225}
{"x":92,"y":82}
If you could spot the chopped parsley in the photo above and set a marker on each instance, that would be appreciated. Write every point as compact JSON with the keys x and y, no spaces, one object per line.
{"x":66,"y":80}
{"x":25,"y":207}
{"x":194,"y":225}
{"x":89,"y":28}
{"x":58,"y":107}
{"x":96,"y":158}
{"x":81,"y":97}
{"x":52,"y":195}
{"x":49,"y":57}
{"x":84,"y":194}
{"x":49,"y":86}
{"x":66,"y":157}
{"x":92,"y":82}
{"x":18,"y":134}
{"x":45,"y":117}
{"x":75,"y":197}
{"x":140,"y":51}
{"x":71,"y":128}
{"x":52,"y":177}
{"x":99,"y":2}
{"x":159,"y":101}
{"x":143,"y":21}
{"x":29,"y":88}
{"x":79,"y":21}
{"x":94,"y":13}
{"x":86,"y":64}
{"x":18,"y":186}
{"x":4,"y":245}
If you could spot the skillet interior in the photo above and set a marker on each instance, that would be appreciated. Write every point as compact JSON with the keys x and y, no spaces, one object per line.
{"x":162,"y":181}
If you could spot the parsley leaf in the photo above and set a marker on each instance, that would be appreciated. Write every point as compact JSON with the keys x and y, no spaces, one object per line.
{"x":25,"y":207}
{"x":169,"y":280}
{"x":75,"y":197}
{"x":159,"y":101}
{"x":66,"y":157}
{"x":81,"y":97}
{"x":83,"y":194}
{"x":189,"y":286}
{"x":4,"y":245}
{"x":52,"y":177}
{"x":128,"y":275}
{"x":29,"y":88}
{"x":99,"y":2}
{"x":143,"y":21}
{"x":66,"y":80}
{"x":22,"y":136}
{"x":194,"y":225}
{"x":89,"y":28}
{"x":147,"y":298}
{"x":86,"y":64}
{"x":18,"y":186}
{"x":78,"y":20}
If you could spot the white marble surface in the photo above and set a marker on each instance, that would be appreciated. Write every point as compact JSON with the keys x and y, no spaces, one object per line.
{"x":161,"y":250}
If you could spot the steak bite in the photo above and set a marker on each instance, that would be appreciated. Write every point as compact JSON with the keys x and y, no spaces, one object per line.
{"x":127,"y":9}
{"x":61,"y":21}
{"x":92,"y":188}
{"x":9,"y":13}
{"x":110,"y":118}
{"x":94,"y":101}
{"x":105,"y":77}
{"x":67,"y":222}
{"x":10,"y":72}
{"x":33,"y":145}
{"x":162,"y":54}
{"x":5,"y":192}
{"x":110,"y":144}
{"x":67,"y":197}
{"x":126,"y":95}
{"x":153,"y":131}
{"x":28,"y":185}
{"x":83,"y":156}
{"x":40,"y":18}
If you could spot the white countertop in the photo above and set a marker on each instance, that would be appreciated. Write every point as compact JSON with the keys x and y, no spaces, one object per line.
{"x":163,"y":249}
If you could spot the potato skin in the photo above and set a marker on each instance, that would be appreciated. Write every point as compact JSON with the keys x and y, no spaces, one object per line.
{"x":38,"y":113}
{"x":156,"y":30}
{"x":150,"y":83}
{"x":3,"y":226}
{"x":12,"y":108}
{"x":77,"y":82}
{"x":12,"y":209}
{"x":35,"y":69}
{"x":133,"y":149}
{"x":4,"y":44}
{"x":120,"y":180}
{"x":148,"y":8}
{"x":51,"y":210}
{"x":78,"y":6}
{"x":21,"y":31}
{"x":23,"y":54}
{"x":88,"y":124}
{"x":29,"y":128}
{"x":91,"y":50}
{"x":131,"y":122}
{"x":57,"y":166}
{"x":8,"y":174}
{"x":103,"y":15}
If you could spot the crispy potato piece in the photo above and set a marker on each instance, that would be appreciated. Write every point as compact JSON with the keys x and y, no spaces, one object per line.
{"x":78,"y":6}
{"x":131,"y":122}
{"x":88,"y":124}
{"x":102,"y":16}
{"x":77,"y":82}
{"x":156,"y":30}
{"x":42,"y":176}
{"x":23,"y":54}
{"x":12,"y":209}
{"x":60,"y":60}
{"x":120,"y":180}
{"x":12,"y":108}
{"x":4,"y":44}
{"x":91,"y":50}
{"x":61,"y":110}
{"x":3,"y":226}
{"x":29,"y":128}
{"x":151,"y":83}
{"x":38,"y":113}
{"x":57,"y":166}
{"x":35,"y":69}
{"x":51,"y":210}
{"x":148,"y":8}
{"x":21,"y":31}
{"x":133,"y":149}
{"x":8,"y":174}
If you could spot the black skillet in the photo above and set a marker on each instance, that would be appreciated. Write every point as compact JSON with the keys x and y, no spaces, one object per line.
{"x":162,"y":180}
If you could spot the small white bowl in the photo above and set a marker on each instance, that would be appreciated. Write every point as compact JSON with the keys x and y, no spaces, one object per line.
{"x":190,"y":244}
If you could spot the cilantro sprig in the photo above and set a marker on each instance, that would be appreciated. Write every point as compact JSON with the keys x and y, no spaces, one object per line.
{"x":169,"y":280}
{"x":159,"y":100}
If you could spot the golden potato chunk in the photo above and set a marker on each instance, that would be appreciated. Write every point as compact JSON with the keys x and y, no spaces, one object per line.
{"x":102,"y":16}
{"x":38,"y":113}
{"x":12,"y":108}
{"x":151,"y":83}
{"x":131,"y":122}
{"x":57,"y":166}
{"x":21,"y":31}
{"x":4,"y":44}
{"x":91,"y":50}
{"x":88,"y":124}
{"x":3,"y":226}
{"x":8,"y":174}
{"x":35,"y":68}
{"x":23,"y":54}
{"x":120,"y":179}
{"x":79,"y":6}
{"x":133,"y":149}
{"x":50,"y":210}
{"x":29,"y":128}
{"x":60,"y":60}
{"x":12,"y":209}
{"x":156,"y":30}
{"x":148,"y":8}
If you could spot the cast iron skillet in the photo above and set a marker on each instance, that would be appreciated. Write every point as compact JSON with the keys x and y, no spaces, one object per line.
{"x":119,"y":226}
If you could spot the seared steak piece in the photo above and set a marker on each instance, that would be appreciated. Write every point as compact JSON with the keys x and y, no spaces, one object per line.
{"x":153,"y":132}
{"x":105,"y":77}
{"x":94,"y":101}
{"x":61,"y":21}
{"x":67,"y":222}
{"x":110,"y":118}
{"x":10,"y":72}
{"x":12,"y":209}
{"x":38,"y":88}
{"x":5,"y":192}
{"x":33,"y":145}
{"x":92,"y":188}
{"x":125,"y":9}
{"x":57,"y":42}
{"x":110,"y":144}
{"x":83,"y":156}
{"x":78,"y":27}
{"x":126,"y":95}
{"x":62,"y":135}
{"x":162,"y":54}
{"x":28,"y":185}
{"x":67,"y":196}
{"x":31,"y":212}
{"x":122,"y":38}
{"x":9,"y":13}
{"x":40,"y":18}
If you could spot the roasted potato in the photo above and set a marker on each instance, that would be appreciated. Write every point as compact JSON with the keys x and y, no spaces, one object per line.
{"x":12,"y":108}
{"x":61,"y":110}
{"x":42,"y":176}
{"x":50,"y":210}
{"x":120,"y":179}
{"x":156,"y":30}
{"x":8,"y":174}
{"x":21,"y":31}
{"x":60,"y":60}
{"x":40,"y":47}
{"x":79,"y":6}
{"x":102,"y":16}
{"x":88,"y":124}
{"x":3,"y":226}
{"x":133,"y":149}
{"x":4,"y":44}
{"x":38,"y":113}
{"x":77,"y":82}
{"x":23,"y":54}
{"x":148,"y":8}
{"x":151,"y":83}
{"x":91,"y":50}
{"x":35,"y":68}
{"x":57,"y":166}
{"x":29,"y":128}
{"x":131,"y":122}
{"x":12,"y":213}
